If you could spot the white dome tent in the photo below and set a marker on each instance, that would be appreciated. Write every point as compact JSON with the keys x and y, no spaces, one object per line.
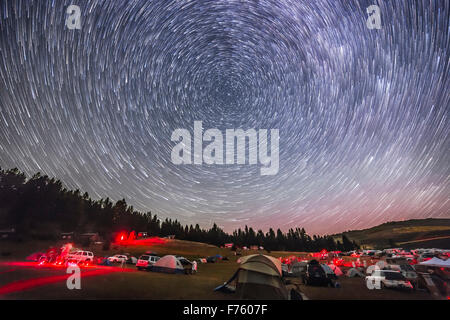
{"x":168,"y":264}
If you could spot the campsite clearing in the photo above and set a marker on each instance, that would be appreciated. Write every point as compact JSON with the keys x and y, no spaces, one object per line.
{"x":26,"y":280}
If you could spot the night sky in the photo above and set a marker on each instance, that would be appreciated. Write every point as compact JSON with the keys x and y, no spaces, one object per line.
{"x":363,"y":114}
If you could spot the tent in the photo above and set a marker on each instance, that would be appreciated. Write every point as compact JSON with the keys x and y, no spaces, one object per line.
{"x":353,"y":272}
{"x":35,"y":256}
{"x":211,"y":259}
{"x":168,"y":264}
{"x":258,"y":278}
{"x":436,"y":262}
{"x":284,"y":269}
{"x":106,"y":262}
{"x":337,"y":271}
{"x":328,"y":270}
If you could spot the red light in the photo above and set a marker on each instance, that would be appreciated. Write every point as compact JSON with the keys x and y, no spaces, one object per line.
{"x":122,"y":237}
{"x":22,"y":285}
{"x":131,"y":240}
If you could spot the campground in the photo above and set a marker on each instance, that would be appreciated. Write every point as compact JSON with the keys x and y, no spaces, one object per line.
{"x":26,"y":280}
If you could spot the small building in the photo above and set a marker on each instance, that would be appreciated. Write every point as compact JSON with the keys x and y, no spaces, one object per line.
{"x":7,"y":233}
{"x":92,"y":236}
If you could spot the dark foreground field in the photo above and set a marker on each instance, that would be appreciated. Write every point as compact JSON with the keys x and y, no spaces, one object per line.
{"x":25,"y":280}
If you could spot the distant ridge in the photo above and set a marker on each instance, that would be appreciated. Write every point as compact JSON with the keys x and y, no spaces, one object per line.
{"x":414,"y":233}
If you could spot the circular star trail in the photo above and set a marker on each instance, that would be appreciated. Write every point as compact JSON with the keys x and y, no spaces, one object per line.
{"x":363,"y":113}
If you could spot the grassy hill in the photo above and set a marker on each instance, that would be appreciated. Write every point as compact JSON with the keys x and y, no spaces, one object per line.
{"x":416,"y":233}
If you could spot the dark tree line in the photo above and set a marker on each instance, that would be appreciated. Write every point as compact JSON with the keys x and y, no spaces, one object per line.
{"x":40,"y":207}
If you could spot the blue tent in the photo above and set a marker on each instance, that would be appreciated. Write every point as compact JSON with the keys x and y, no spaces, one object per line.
{"x":105,"y":262}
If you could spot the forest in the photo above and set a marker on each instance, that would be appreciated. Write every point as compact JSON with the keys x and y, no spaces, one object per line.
{"x":40,"y":207}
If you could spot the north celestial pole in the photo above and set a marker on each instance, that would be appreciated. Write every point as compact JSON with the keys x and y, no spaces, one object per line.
{"x":363,"y":113}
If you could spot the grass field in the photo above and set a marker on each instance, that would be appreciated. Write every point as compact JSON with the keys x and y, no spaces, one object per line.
{"x":27,"y":281}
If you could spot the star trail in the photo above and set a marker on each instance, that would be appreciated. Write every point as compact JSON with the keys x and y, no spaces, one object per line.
{"x":363,"y":114}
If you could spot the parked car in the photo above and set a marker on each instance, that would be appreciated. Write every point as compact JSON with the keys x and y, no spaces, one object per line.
{"x":407,"y":271}
{"x":146,"y":261}
{"x":80,"y":257}
{"x":388,"y":279}
{"x":118,"y":258}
